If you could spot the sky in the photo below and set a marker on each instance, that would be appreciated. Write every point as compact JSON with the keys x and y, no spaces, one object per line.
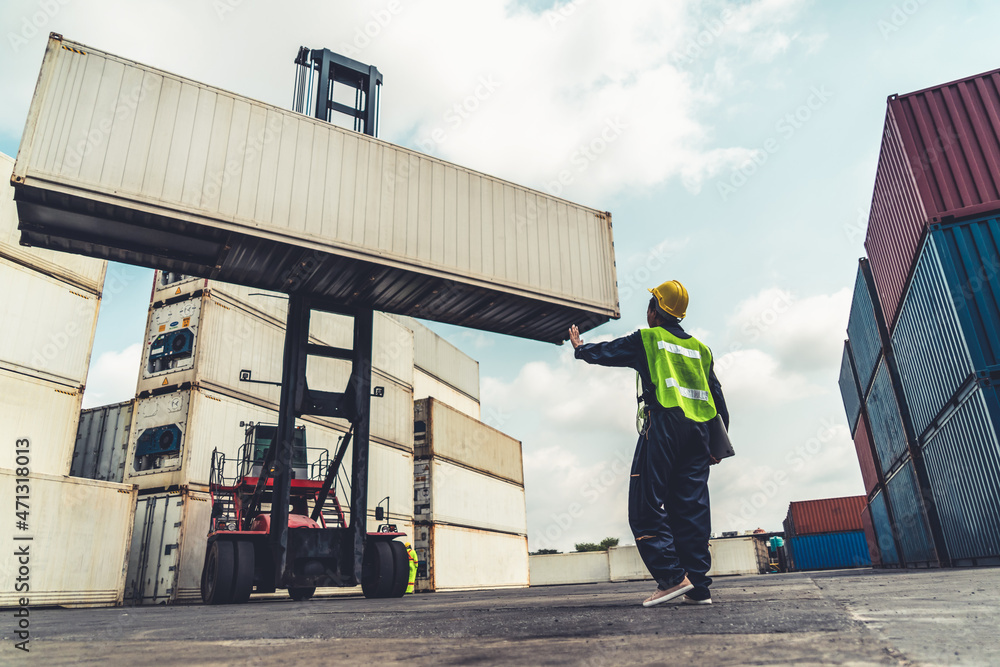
{"x":735,"y":144}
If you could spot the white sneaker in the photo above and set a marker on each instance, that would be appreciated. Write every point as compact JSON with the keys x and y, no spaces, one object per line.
{"x":661,"y":596}
{"x":690,"y":600}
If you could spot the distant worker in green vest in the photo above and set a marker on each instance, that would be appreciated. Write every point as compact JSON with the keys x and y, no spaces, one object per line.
{"x":668,"y":506}
{"x":413,"y":567}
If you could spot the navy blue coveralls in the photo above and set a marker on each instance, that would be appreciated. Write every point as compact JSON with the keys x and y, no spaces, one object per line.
{"x":668,"y":506}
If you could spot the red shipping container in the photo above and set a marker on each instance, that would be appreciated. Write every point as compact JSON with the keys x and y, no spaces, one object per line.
{"x":940,"y":158}
{"x":873,"y":550}
{"x":862,"y":443}
{"x":829,"y":515}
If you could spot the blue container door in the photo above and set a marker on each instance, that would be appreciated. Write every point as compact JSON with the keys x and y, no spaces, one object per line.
{"x":883,"y":530}
{"x":963,"y":465}
{"x":886,"y":421}
{"x":862,"y":330}
{"x":849,"y":389}
{"x":830,"y":551}
{"x":908,"y":512}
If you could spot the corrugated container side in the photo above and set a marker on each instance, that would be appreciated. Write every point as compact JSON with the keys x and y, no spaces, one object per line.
{"x":928,"y":342}
{"x":451,"y":435}
{"x":589,"y":567}
{"x":863,"y":447}
{"x":963,"y":465}
{"x":625,"y":564}
{"x":82,"y":272}
{"x":463,"y":558}
{"x":849,"y":389}
{"x":428,"y":386}
{"x":886,"y":421}
{"x":393,"y":230}
{"x":448,"y":493}
{"x":51,"y":325}
{"x":734,"y":555}
{"x":896,"y":221}
{"x":44,"y":412}
{"x":827,"y":515}
{"x":80,"y":530}
{"x":970,"y":257}
{"x":951,"y":134}
{"x":829,"y":551}
{"x":441,"y":360}
{"x":870,"y":537}
{"x":102,"y":442}
{"x":910,"y":518}
{"x":883,"y":530}
{"x":862,"y":330}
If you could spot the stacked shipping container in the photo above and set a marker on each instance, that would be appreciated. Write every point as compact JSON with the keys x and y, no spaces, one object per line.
{"x":826,"y":534}
{"x":469,"y":509}
{"x":933,"y":247}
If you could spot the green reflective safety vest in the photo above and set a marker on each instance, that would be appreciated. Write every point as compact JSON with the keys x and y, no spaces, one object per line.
{"x":679,"y":369}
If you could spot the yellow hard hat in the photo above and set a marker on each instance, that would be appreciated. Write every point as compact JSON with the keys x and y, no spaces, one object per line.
{"x":408,"y":545}
{"x":672,"y":297}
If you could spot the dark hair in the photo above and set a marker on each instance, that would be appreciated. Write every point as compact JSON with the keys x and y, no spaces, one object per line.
{"x":661,"y":315}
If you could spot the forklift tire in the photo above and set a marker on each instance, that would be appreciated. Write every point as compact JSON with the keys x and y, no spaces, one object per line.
{"x":376,"y":570}
{"x":217,"y":575}
{"x":301,"y":593}
{"x":400,"y":569}
{"x":243,"y":571}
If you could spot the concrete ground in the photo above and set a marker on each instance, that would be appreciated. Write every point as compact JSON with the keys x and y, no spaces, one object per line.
{"x":857,"y":617}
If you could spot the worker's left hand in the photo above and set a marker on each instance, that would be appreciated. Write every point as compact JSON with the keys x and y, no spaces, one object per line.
{"x":574,"y":337}
{"x":713,"y":461}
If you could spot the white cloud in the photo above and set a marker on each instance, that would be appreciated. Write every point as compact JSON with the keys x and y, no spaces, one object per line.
{"x":112,"y":377}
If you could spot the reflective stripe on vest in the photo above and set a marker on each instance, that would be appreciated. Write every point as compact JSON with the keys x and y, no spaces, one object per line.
{"x":679,"y":369}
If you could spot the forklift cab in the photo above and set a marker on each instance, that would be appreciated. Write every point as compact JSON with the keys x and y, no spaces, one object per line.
{"x":260,"y":436}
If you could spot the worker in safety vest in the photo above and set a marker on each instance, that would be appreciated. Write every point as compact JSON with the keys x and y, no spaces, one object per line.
{"x":413,"y":567}
{"x":668,"y":503}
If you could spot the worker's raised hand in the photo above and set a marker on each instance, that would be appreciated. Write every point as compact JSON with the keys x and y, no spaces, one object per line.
{"x":574,"y":337}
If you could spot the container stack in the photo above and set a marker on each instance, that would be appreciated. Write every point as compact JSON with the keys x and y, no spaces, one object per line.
{"x":211,"y":365}
{"x":826,"y":534}
{"x":929,"y":411}
{"x":469,"y":509}
{"x":50,"y":305}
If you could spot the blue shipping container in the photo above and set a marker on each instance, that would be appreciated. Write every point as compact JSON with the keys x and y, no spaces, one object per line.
{"x":963,"y":466}
{"x":883,"y":530}
{"x":970,"y":258}
{"x":886,"y":421}
{"x":849,"y":389}
{"x":910,"y":519}
{"x":862,"y":330}
{"x":829,"y":551}
{"x":928,"y":342}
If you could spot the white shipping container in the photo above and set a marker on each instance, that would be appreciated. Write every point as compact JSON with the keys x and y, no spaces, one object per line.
{"x":428,"y":386}
{"x":455,"y":558}
{"x":625,"y":564}
{"x":588,"y":567}
{"x":207,"y":420}
{"x":737,"y":555}
{"x":82,"y":272}
{"x":80,"y":531}
{"x":451,"y":435}
{"x":405,"y":232}
{"x":50,"y":328}
{"x":218,"y":341}
{"x":168,"y":547}
{"x":441,"y":360}
{"x":448,"y":493}
{"x":44,"y":412}
{"x":102,"y":442}
{"x":392,"y":342}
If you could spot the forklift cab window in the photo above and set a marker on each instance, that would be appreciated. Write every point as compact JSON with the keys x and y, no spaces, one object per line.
{"x":264,"y":436}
